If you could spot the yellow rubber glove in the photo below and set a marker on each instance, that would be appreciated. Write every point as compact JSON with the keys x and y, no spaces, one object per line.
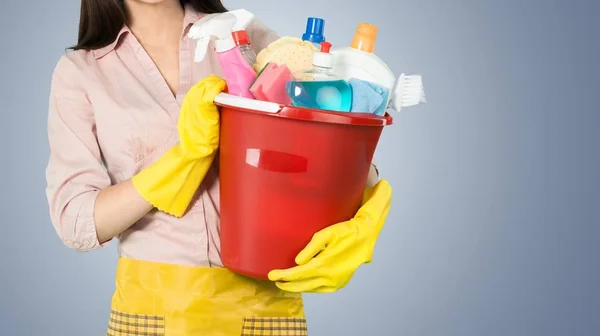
{"x":333,"y":255}
{"x":169,"y":184}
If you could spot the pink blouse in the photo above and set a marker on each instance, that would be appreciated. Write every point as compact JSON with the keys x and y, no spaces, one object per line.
{"x":112,"y":114}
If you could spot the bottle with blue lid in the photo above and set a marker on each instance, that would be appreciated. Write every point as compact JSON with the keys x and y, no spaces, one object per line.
{"x":314,"y":31}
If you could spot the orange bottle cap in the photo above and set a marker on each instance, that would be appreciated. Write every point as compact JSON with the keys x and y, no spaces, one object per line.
{"x":364,"y":38}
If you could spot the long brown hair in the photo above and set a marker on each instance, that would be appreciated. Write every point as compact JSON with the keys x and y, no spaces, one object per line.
{"x":101,"y":20}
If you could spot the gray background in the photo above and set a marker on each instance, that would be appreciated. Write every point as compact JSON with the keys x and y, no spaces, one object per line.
{"x":494,"y":228}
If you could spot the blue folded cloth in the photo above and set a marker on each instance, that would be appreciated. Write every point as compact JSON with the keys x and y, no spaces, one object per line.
{"x":366,"y":96}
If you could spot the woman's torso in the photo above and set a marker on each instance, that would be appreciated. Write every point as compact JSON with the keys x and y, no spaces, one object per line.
{"x":135,"y":115}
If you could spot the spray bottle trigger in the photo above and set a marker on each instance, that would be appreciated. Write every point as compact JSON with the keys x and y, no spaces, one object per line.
{"x":201,"y":49}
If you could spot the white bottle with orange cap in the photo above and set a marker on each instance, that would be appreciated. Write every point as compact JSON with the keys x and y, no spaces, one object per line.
{"x":359,"y":62}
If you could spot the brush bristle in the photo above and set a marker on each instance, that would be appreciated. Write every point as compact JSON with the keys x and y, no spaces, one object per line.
{"x":413,"y":92}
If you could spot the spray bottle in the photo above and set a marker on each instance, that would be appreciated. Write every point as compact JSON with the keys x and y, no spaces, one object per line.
{"x":238,"y":73}
{"x":243,"y":42}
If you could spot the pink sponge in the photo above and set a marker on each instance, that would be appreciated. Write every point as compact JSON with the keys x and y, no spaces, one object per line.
{"x":270,"y":84}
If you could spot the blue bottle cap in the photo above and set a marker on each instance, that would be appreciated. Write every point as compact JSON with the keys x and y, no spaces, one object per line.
{"x":314,"y":30}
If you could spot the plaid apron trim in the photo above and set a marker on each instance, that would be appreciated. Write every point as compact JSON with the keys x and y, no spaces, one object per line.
{"x":123,"y":324}
{"x":274,"y":326}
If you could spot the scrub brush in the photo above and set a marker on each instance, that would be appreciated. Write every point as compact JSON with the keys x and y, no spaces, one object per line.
{"x":408,"y":91}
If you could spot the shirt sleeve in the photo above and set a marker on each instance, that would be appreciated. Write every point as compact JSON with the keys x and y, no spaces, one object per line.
{"x":261,"y":35}
{"x":75,"y":173}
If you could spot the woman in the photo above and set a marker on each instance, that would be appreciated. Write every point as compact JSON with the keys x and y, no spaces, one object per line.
{"x":133,"y":140}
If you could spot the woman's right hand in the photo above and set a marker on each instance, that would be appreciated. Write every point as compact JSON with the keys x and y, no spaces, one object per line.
{"x":86,"y":209}
{"x":170,"y":183}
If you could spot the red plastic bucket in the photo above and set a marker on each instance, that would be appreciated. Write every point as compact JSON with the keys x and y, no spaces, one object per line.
{"x":286,"y":173}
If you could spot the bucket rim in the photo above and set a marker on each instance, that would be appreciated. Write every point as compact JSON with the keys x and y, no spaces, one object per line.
{"x":242,"y":104}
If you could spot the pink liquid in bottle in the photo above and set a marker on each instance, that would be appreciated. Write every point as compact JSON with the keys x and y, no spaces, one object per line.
{"x":239,"y":75}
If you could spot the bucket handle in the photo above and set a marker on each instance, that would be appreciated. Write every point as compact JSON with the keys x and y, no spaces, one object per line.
{"x":388,"y":119}
{"x":246,"y":103}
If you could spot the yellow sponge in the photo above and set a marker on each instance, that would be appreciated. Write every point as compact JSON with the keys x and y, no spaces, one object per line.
{"x":292,"y":52}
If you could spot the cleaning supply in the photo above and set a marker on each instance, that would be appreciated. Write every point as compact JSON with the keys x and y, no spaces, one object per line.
{"x":322,"y":64}
{"x":287,"y":173}
{"x":170,"y":183}
{"x":408,"y":92}
{"x":314,"y":31}
{"x":359,"y":62}
{"x":366,"y":97}
{"x":319,"y":88}
{"x":333,"y":95}
{"x":292,"y":52}
{"x":270,"y":84}
{"x":243,"y":42}
{"x":342,"y":248}
{"x":238,"y":73}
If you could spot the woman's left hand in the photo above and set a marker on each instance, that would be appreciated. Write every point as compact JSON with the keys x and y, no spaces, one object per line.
{"x":333,"y":255}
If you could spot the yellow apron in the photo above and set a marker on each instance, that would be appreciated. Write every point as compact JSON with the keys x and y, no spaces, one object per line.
{"x":153,"y":299}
